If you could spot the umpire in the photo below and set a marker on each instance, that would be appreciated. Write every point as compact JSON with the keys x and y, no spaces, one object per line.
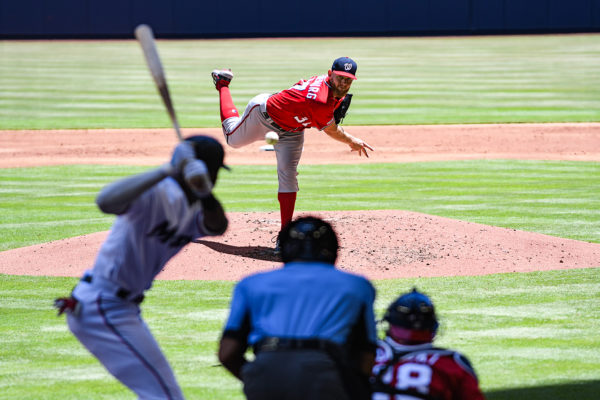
{"x":311,"y":326}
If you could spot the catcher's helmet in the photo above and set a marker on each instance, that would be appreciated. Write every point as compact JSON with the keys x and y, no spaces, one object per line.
{"x":308,"y":239}
{"x":210,"y":151}
{"x":412,"y":318}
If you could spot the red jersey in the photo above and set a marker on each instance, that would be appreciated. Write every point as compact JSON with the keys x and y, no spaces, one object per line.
{"x":422,"y":372}
{"x":307,"y":104}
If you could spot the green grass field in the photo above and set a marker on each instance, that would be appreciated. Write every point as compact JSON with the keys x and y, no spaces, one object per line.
{"x":105,"y":84}
{"x":529,"y":336}
{"x":551,"y":197}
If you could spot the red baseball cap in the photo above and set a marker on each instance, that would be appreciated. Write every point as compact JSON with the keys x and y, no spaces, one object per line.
{"x":345,"y":66}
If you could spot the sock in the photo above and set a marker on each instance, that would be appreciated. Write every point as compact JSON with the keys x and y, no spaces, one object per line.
{"x":287,"y":202}
{"x":228,"y":110}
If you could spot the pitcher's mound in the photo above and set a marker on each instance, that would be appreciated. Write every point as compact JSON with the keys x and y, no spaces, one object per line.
{"x":378,"y":244}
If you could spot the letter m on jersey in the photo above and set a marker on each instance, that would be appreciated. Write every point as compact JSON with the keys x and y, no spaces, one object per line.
{"x":162,"y":231}
{"x":164,"y":234}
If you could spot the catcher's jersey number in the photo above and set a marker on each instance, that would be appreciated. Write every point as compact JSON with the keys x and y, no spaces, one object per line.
{"x":411,"y":376}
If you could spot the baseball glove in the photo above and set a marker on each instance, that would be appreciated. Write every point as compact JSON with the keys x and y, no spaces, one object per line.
{"x":341,"y":111}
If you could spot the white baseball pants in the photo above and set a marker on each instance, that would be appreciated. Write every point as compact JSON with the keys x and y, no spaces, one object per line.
{"x":114,"y":332}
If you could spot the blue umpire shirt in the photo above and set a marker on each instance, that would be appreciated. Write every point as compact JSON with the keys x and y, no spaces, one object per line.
{"x":302,"y":300}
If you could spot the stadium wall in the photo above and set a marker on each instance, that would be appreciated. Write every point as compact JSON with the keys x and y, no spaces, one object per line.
{"x":268,"y":18}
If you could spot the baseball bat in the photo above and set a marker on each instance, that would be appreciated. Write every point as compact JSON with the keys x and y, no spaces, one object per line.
{"x":144,"y":35}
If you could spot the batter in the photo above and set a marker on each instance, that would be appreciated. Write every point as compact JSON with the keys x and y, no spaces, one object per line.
{"x":159,"y":212}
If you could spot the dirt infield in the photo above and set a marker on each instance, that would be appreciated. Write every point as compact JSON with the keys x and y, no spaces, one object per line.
{"x":578,"y":142}
{"x":378,"y":244}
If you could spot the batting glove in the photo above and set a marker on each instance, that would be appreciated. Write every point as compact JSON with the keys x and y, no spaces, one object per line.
{"x":195,"y":174}
{"x":67,"y":304}
{"x":183,"y":153}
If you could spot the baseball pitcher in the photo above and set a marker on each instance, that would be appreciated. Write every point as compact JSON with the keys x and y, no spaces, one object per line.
{"x":319,"y":102}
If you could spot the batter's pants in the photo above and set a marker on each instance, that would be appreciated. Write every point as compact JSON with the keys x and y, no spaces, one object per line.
{"x":114,"y":332}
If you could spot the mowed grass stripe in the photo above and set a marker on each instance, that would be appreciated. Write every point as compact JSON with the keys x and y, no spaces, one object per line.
{"x":519,"y":330}
{"x":551,"y":197}
{"x":403,"y":87}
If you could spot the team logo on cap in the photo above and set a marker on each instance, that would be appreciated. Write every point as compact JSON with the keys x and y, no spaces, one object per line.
{"x":347,"y":66}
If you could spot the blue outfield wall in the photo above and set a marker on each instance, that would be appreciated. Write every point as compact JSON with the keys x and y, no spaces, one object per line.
{"x":203,"y":19}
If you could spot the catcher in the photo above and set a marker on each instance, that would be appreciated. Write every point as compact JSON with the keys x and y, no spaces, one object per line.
{"x":158,"y":213}
{"x":408,"y":366}
{"x":319,"y":102}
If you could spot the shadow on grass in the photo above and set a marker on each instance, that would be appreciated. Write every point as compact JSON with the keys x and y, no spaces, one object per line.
{"x":568,"y":391}
{"x":256,"y":252}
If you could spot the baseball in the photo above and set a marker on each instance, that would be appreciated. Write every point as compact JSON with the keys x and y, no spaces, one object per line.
{"x":271,"y":138}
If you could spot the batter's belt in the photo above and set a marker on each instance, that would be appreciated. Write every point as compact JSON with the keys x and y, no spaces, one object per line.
{"x":112,"y":287}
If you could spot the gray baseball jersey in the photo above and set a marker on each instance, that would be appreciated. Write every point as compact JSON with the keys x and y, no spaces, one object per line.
{"x":155,"y":227}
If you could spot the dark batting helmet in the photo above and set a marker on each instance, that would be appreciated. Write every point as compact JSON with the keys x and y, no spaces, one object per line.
{"x":412,"y":318}
{"x":210,"y":151}
{"x":308,"y":239}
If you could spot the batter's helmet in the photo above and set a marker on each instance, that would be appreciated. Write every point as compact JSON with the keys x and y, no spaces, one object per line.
{"x":412,"y":318}
{"x":308,"y":239}
{"x":210,"y":151}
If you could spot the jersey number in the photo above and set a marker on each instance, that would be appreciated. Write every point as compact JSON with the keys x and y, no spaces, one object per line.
{"x":302,"y":120}
{"x":300,"y":86}
{"x":413,"y":376}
